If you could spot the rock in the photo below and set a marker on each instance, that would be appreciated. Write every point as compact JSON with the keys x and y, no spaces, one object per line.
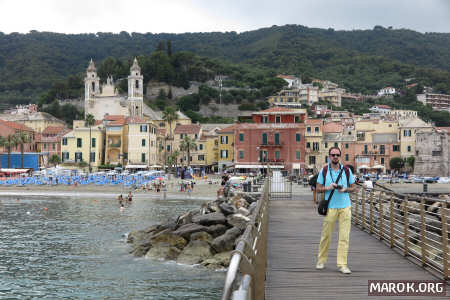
{"x":218,"y":261}
{"x":163,"y":250}
{"x":141,"y":248}
{"x":195,"y":252}
{"x":210,"y":219}
{"x":171,"y":239}
{"x":186,"y":218}
{"x":226,"y":209}
{"x":201,"y":236}
{"x":238,"y":220}
{"x":137,"y":235}
{"x":252,"y":207}
{"x":216,"y":230}
{"x":414,"y":222}
{"x":225,"y":242}
{"x":434,"y":208}
{"x":243,"y":211}
{"x":186,"y":230}
{"x":413,"y":207}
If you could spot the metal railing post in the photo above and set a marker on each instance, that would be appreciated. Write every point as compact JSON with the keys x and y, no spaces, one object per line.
{"x":357,"y":208}
{"x":363,"y":208}
{"x":405,"y":215}
{"x":391,"y":217}
{"x":371,"y":212}
{"x":444,"y":240}
{"x":381,"y":216}
{"x":422,"y":232}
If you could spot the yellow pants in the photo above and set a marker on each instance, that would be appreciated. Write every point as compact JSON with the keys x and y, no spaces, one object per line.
{"x":344,"y":215}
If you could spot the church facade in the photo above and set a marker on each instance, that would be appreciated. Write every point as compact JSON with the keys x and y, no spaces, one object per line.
{"x":104,"y":99}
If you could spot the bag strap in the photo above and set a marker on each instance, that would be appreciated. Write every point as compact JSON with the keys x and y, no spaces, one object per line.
{"x":337,"y":180}
{"x":347,"y":173}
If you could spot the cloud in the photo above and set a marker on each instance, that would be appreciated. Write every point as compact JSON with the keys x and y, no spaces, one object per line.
{"x":177,"y":16}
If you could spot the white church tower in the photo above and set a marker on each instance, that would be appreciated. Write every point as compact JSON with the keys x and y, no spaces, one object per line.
{"x":91,"y":86}
{"x":135,"y":90}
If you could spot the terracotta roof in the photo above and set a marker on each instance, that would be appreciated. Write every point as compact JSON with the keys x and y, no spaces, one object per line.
{"x":55,"y":130}
{"x":115,"y":120}
{"x":444,"y":128}
{"x":188,"y":129}
{"x":202,"y":138}
{"x":229,"y":129}
{"x":286,"y":76}
{"x":16,"y":126}
{"x":98,"y":122}
{"x":269,"y":125}
{"x":332,"y":127}
{"x":313,"y":121}
{"x":276,"y":109}
{"x":114,"y":117}
{"x":383,"y":106}
{"x":161,"y":131}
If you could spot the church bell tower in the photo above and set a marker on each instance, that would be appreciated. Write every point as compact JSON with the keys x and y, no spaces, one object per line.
{"x":135,"y":90}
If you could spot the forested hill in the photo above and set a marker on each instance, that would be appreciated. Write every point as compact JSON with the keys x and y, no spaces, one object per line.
{"x":359,"y":60}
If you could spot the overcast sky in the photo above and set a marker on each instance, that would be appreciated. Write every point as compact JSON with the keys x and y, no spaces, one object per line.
{"x":178,"y":16}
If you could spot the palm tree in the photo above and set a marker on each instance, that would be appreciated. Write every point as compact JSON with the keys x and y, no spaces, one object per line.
{"x":173,"y":159}
{"x":187,"y":145}
{"x":90,"y":121}
{"x":22,"y":138}
{"x":8,"y":142}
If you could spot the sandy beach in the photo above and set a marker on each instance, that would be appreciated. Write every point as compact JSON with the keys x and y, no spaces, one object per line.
{"x":202,"y":190}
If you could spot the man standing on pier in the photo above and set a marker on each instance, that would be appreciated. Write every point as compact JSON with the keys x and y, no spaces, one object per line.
{"x":339,"y":208}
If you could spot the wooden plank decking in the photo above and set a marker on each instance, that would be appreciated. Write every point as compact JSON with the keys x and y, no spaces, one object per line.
{"x":293,"y":241}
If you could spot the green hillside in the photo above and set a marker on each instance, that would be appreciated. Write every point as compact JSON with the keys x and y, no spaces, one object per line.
{"x":359,"y":60}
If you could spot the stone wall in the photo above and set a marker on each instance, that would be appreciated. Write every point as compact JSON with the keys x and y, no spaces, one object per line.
{"x":432,"y":153}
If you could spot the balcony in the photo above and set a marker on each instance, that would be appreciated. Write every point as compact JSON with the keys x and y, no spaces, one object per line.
{"x":114,"y":145}
{"x":372,"y":153}
{"x":272,"y":144}
{"x":276,"y":161}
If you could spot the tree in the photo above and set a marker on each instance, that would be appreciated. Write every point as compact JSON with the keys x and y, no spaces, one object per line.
{"x":410,"y":161}
{"x":187,"y":145}
{"x":54,"y":159}
{"x":22,"y":138}
{"x":8,"y":142}
{"x":170,"y":115}
{"x":396,"y":163}
{"x":90,"y":121}
{"x":169,"y":48}
{"x":172,"y":159}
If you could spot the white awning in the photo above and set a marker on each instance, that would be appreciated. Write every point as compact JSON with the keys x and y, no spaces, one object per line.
{"x":136,"y":167}
{"x":258,"y":166}
{"x":364,"y":167}
{"x":296,"y":166}
{"x":155,"y":166}
{"x":378,"y":167}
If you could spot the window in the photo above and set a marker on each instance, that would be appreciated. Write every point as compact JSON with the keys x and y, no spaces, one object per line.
{"x":277,"y":154}
{"x":395,"y":148}
{"x":64,"y":141}
{"x":264,"y":119}
{"x":93,"y":84}
{"x":326,"y":145}
{"x":151,"y":143}
{"x":65,"y":156}
{"x":308,"y":129}
{"x":264,"y":138}
{"x":336,"y":144}
{"x":201,"y":157}
{"x":308,"y":145}
{"x":53,"y":146}
{"x":196,"y":136}
{"x":297,"y":137}
{"x":278,"y":119}
{"x":297,"y":119}
{"x":346,"y":157}
{"x":92,"y":157}
{"x":181,"y":136}
{"x":224,"y":139}
{"x":312,"y":160}
{"x":137,"y":84}
{"x":143,"y":128}
{"x":326,"y":159}
{"x":168,"y":147}
{"x":79,"y":143}
{"x":200,"y":146}
{"x":143,"y":157}
{"x":436,"y":153}
{"x":45,"y":146}
{"x":78,"y":156}
{"x":407,"y":132}
{"x":346,"y":146}
{"x":263,"y":156}
{"x":277,"y":138}
{"x":409,"y":148}
{"x":315,"y":146}
{"x":382,"y":150}
{"x":382,"y":160}
{"x":316,"y":129}
{"x":143,"y":142}
{"x":93,"y":142}
{"x":297,"y":155}
{"x":365,"y":149}
{"x":241,"y":154}
{"x":241,"y":137}
{"x":224,"y":154}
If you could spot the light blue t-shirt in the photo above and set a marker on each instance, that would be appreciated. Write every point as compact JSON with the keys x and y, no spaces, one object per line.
{"x":339,"y":200}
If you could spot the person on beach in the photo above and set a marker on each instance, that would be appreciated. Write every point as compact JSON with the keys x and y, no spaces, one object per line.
{"x":130,"y":197}
{"x":339,"y":208}
{"x":120,"y":199}
{"x":122,"y":207}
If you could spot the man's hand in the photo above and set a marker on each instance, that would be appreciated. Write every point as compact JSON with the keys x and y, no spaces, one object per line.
{"x":332,"y":186}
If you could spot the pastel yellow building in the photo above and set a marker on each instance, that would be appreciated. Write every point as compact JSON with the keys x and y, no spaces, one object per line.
{"x":116,"y":144}
{"x":142,"y":145}
{"x":37,"y":121}
{"x":407,"y":134}
{"x":314,"y":159}
{"x":75,"y":146}
{"x":197,"y":154}
{"x":226,"y":147}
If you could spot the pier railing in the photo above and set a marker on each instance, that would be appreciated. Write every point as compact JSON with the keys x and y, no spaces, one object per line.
{"x":414,"y":225}
{"x":247,"y":270}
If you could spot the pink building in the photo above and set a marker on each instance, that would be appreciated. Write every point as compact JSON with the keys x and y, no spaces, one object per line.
{"x":279,"y":115}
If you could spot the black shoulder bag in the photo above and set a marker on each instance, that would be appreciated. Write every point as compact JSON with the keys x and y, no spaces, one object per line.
{"x":322,"y":209}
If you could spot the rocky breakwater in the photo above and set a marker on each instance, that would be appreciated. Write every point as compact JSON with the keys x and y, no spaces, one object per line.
{"x":205,"y":236}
